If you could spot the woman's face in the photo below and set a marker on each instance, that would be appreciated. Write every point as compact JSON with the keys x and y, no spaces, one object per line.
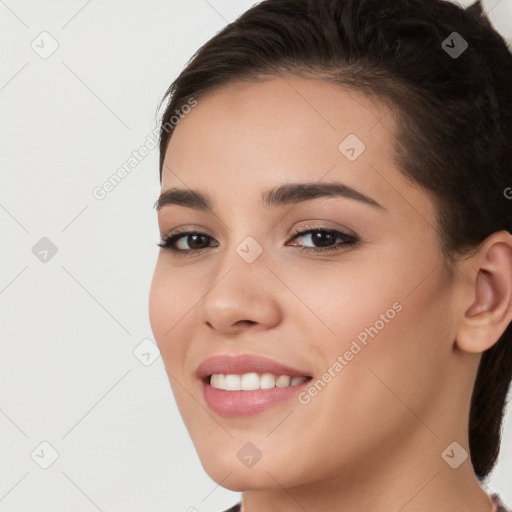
{"x":370,"y":322}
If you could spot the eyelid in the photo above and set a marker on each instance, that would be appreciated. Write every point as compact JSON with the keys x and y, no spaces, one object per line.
{"x":321,"y":225}
{"x":348,"y":239}
{"x":301,"y":229}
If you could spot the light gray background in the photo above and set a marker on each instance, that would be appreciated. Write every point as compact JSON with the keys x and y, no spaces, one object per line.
{"x":72,"y":368}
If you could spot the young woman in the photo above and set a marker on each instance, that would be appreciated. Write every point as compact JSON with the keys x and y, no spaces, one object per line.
{"x":332,"y":297}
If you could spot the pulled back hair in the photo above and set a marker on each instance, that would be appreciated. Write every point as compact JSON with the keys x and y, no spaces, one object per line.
{"x":453,"y":121}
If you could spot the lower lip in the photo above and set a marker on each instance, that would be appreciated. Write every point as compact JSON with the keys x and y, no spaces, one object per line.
{"x":245,"y":403}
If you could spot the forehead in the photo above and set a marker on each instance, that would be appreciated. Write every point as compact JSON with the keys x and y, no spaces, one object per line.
{"x":283,"y":110}
{"x":251,"y":135}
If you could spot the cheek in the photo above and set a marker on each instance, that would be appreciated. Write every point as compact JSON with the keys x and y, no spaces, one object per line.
{"x":169,"y":302}
{"x":391,"y":325}
{"x":339,"y":303}
{"x":395,"y":347}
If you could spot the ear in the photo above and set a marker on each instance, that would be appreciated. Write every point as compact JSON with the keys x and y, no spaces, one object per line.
{"x":488,"y":274}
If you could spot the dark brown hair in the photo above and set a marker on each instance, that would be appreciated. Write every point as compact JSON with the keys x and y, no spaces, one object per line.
{"x":453,"y":116}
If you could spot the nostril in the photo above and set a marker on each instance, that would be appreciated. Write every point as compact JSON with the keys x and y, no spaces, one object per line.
{"x":250,"y":322}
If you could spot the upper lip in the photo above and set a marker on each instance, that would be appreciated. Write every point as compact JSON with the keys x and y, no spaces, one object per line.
{"x":244,"y":363}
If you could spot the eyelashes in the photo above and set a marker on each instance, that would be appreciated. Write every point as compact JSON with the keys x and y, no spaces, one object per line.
{"x":168,"y":242}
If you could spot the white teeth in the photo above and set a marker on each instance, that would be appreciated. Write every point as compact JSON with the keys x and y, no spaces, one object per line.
{"x":233,"y":382}
{"x":267,"y":381}
{"x":283,"y":381}
{"x":252,"y":381}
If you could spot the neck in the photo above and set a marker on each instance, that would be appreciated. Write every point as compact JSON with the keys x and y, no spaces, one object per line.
{"x":409,"y":476}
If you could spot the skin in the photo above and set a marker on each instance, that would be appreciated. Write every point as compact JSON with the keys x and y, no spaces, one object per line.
{"x":372,"y":439}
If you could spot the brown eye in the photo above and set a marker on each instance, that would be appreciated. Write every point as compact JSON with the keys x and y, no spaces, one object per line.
{"x":324,"y":238}
{"x":194,"y":239}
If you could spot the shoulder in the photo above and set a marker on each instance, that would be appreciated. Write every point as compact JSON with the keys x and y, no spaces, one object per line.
{"x":236,"y":508}
{"x":500,"y":506}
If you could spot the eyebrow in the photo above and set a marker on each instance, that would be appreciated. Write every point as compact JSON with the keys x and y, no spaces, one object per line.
{"x":289,"y":193}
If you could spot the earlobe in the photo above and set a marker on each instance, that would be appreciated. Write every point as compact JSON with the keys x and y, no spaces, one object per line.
{"x":490,"y":311}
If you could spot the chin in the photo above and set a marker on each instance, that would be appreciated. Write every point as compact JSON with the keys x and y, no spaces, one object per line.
{"x":242,"y":479}
{"x":262,"y":475}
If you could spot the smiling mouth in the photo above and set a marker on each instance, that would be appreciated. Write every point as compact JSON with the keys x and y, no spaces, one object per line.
{"x":252,"y":381}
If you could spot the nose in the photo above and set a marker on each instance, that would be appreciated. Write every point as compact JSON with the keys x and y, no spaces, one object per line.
{"x":243,"y":296}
